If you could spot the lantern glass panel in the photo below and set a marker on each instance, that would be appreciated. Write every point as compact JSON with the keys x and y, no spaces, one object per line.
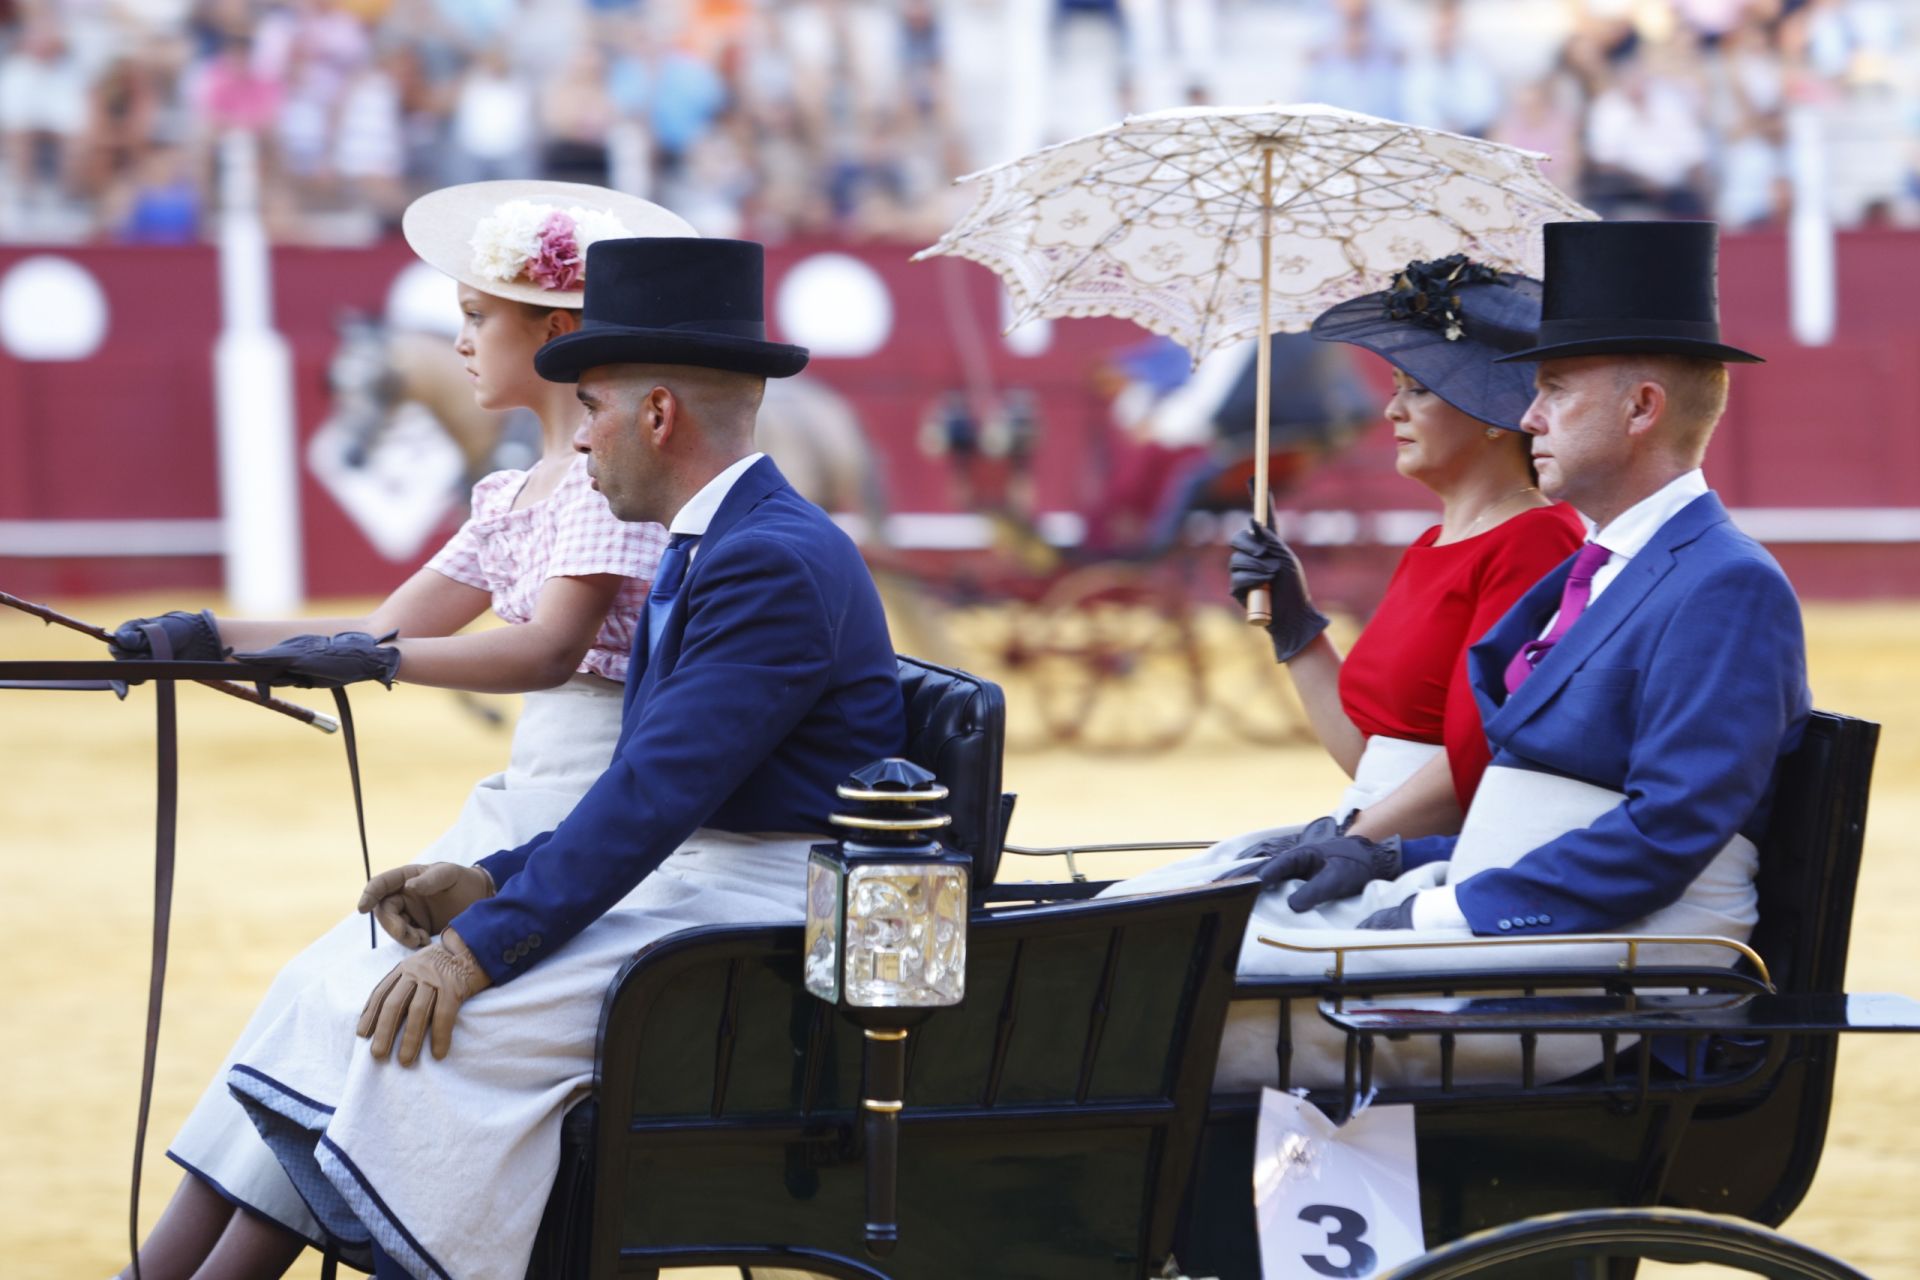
{"x":906,"y":934}
{"x":822,"y":966}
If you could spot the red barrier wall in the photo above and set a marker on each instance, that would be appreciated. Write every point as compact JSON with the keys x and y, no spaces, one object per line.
{"x":128,"y":433}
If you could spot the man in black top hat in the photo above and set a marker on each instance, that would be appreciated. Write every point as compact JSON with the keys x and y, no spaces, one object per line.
{"x":1638,"y":698}
{"x":762,"y":675}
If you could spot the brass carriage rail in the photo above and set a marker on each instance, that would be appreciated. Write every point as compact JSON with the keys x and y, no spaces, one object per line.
{"x":1068,"y":851}
{"x":1628,"y":965}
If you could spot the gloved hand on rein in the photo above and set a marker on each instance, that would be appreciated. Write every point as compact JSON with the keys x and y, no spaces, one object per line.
{"x":327,"y":662}
{"x":195,"y":637}
{"x":414,"y":902}
{"x":1335,"y":868}
{"x":1261,"y":559}
{"x":422,"y":992}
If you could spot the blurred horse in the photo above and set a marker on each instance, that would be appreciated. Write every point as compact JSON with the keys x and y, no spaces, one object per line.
{"x":811,"y":431}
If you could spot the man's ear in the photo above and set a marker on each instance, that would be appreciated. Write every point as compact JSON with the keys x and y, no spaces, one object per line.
{"x":1646,"y":406}
{"x":659,"y":414}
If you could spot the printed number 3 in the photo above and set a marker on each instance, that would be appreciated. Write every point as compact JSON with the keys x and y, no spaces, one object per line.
{"x":1344,"y":1235}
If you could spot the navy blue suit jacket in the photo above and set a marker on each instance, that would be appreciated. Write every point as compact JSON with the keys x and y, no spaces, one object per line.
{"x":1681,"y":687}
{"x":773,"y":679}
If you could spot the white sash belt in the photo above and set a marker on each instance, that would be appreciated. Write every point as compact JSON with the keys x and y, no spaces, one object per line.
{"x":1384,"y":765}
{"x":1518,"y":810}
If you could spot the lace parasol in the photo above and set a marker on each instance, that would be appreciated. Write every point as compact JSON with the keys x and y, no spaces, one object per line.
{"x":1211,"y":225}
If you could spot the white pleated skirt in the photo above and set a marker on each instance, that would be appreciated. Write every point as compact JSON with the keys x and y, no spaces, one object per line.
{"x":562,"y":743}
{"x":1514,"y":812}
{"x":448,"y":1164}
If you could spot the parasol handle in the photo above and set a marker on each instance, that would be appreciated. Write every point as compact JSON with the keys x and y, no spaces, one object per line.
{"x":1260,"y":599}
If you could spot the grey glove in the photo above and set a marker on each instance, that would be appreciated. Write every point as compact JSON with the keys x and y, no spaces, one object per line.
{"x":1261,"y":559}
{"x":1278,"y":866}
{"x":195,"y":637}
{"x":1400,"y":917}
{"x":1337,"y":868}
{"x":327,"y":662}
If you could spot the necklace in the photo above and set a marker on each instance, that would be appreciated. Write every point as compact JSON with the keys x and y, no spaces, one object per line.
{"x":1478,"y":520}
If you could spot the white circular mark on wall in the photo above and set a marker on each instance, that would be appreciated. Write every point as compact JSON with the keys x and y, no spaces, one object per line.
{"x":425,"y":299}
{"x":51,"y":309}
{"x":836,"y":306}
{"x":1030,"y":339}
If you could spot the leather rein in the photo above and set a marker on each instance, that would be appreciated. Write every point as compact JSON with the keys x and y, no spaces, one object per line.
{"x":164,"y":673}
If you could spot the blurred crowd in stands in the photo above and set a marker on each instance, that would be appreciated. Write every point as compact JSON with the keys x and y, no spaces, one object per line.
{"x":849,"y":118}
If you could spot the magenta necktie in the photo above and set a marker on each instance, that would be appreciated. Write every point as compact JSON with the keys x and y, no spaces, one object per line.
{"x":1573,"y":603}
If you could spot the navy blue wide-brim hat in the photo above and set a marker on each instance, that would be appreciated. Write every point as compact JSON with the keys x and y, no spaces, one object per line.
{"x":669,"y":300}
{"x":1444,"y":324}
{"x":1632,"y":288}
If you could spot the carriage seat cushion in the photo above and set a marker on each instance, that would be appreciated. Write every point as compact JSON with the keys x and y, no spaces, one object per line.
{"x":956,"y":726}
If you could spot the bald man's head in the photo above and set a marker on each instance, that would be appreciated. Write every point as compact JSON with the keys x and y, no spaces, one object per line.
{"x":657,"y":433}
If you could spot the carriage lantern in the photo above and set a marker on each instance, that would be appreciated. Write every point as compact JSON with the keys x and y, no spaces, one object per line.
{"x":886,"y":944}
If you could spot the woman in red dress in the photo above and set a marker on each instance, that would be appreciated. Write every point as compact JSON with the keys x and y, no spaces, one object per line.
{"x":1399,"y":705}
{"x":1397,"y":712}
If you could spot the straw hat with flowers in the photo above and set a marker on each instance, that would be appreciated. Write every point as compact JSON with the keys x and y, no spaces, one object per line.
{"x":527,"y":240}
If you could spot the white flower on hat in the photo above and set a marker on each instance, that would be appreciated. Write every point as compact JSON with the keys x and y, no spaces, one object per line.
{"x":519,"y":234}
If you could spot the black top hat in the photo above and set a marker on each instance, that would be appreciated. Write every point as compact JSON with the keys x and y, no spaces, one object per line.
{"x":1443,"y":324}
{"x":1632,"y":288}
{"x":665,"y":300}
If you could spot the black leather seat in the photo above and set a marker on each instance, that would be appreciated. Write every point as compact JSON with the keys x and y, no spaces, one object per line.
{"x":957,"y":727}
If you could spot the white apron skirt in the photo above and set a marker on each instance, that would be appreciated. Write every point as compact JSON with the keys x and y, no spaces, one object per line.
{"x":1513,"y":812}
{"x":1384,"y":765}
{"x":562,"y":743}
{"x":448,"y":1164}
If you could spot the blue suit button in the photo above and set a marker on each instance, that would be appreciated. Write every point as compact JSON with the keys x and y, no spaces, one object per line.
{"x":1546,"y":919}
{"x":534,"y":942}
{"x":507,"y":956}
{"x":1506,"y":924}
{"x":1533,"y":919}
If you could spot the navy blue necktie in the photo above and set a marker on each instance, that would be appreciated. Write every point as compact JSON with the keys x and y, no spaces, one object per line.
{"x":666,"y":585}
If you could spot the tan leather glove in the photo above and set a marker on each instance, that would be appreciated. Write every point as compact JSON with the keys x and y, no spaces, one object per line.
{"x":414,"y":902}
{"x":424,"y":990}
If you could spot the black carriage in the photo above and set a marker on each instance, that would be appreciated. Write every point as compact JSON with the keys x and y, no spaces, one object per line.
{"x":1060,"y":1122}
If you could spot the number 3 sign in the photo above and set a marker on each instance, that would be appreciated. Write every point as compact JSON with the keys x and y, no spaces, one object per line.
{"x":1334,"y":1200}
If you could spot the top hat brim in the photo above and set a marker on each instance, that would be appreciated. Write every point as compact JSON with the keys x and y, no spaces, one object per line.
{"x":1630,"y":346}
{"x":566,"y":357}
{"x":439,"y":227}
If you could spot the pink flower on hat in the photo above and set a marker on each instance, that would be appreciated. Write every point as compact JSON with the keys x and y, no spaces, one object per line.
{"x":557,"y":262}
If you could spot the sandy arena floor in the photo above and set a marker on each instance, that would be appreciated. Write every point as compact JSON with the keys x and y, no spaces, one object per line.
{"x":268,"y":858}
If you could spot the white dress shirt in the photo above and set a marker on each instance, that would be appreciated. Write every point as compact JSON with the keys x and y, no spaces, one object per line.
{"x":1626,"y":536}
{"x":698,"y":513}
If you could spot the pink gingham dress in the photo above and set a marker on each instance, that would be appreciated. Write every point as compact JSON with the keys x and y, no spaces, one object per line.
{"x":511,"y":554}
{"x":562,"y":742}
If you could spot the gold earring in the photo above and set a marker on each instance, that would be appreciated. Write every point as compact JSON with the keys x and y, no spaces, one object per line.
{"x":1493,"y":433}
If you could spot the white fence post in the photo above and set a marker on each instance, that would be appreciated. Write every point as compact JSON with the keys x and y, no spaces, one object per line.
{"x":1811,"y":289}
{"x":253,"y":400}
